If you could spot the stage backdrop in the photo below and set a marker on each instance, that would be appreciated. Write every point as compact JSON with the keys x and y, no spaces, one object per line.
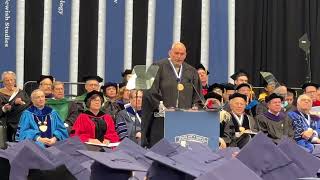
{"x":73,"y":38}
{"x":267,"y":33}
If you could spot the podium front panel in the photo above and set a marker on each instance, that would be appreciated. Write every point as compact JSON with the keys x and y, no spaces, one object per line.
{"x":202,"y":126}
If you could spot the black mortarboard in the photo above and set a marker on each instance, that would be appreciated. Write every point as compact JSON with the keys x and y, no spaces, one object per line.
{"x":305,"y":85}
{"x":264,"y":158}
{"x":42,"y":77}
{"x":243,"y":85}
{"x":307,"y":163}
{"x":228,"y":86}
{"x":216,"y":85}
{"x":200,"y":66}
{"x":113,"y":165}
{"x":123,"y":84}
{"x":93,"y":93}
{"x":238,"y":74}
{"x":273,"y":96}
{"x":108,"y":84}
{"x":238,"y":95}
{"x":97,"y":78}
{"x":239,"y":171}
{"x":213,"y":95}
{"x":125,"y":72}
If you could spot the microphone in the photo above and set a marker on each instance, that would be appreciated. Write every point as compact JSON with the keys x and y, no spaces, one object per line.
{"x":198,"y":94}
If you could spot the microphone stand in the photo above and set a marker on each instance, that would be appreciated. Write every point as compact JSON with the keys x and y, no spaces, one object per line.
{"x":177,"y":102}
{"x":199,"y":96}
{"x":308,"y":61}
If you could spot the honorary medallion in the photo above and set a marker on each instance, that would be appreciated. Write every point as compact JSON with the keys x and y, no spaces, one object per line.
{"x":180,"y":87}
{"x":43,"y":128}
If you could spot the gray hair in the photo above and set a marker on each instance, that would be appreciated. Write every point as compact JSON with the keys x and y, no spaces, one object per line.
{"x":8,"y":72}
{"x":303,"y":96}
{"x":56,"y":83}
{"x":33,"y":94}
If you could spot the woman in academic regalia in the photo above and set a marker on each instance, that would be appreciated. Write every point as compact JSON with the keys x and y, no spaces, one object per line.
{"x":41,"y":123}
{"x":93,"y":125}
{"x":13,"y":101}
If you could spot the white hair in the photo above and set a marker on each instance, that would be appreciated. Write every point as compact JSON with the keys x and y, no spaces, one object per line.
{"x":35,"y":92}
{"x":8,"y":72}
{"x":303,"y":96}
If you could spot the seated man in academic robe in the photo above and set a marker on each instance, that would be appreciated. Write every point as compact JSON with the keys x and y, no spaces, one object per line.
{"x":275,"y":123}
{"x":92,"y":84}
{"x":41,"y":123}
{"x":306,"y":126}
{"x":128,"y":121}
{"x":251,"y":107}
{"x":68,"y":110}
{"x":45,"y":83}
{"x":236,"y":130}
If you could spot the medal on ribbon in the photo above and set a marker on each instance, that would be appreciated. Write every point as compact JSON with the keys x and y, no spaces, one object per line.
{"x":180,"y":87}
{"x":42,"y":125}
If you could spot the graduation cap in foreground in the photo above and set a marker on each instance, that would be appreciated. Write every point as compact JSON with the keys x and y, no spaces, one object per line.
{"x":228,"y":152}
{"x":160,"y":171}
{"x":113,"y":165}
{"x":37,"y":160}
{"x":136,"y":151}
{"x":32,"y":161}
{"x":186,"y":161}
{"x":264,"y":158}
{"x":307,"y":163}
{"x":239,"y":171}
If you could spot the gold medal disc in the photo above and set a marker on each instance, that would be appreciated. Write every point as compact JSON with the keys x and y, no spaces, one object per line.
{"x":180,"y":87}
{"x":43,"y":128}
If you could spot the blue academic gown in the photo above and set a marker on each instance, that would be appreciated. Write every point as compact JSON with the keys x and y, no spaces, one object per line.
{"x":28,"y":127}
{"x":300,"y":124}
